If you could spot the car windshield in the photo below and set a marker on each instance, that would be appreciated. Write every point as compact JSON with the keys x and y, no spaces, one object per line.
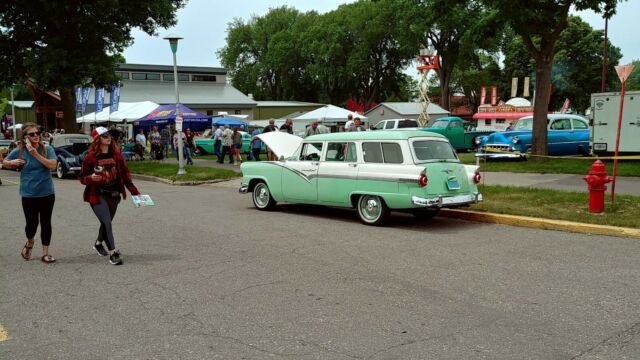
{"x":440,"y":124}
{"x":429,"y":150}
{"x":524,"y":124}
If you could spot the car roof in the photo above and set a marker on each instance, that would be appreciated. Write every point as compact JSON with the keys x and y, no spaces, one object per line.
{"x":558,"y":116}
{"x":447,"y":118}
{"x":374,"y":135}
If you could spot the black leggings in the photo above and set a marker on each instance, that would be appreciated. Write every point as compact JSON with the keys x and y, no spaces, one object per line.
{"x":105,"y":212}
{"x":38,"y":210}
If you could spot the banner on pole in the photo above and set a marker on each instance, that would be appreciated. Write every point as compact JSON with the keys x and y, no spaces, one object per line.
{"x":494,"y":95}
{"x":514,"y":87}
{"x":483,"y":94}
{"x":115,"y":97}
{"x":78,"y":98}
{"x":99,"y":103}
{"x":85,"y":98}
{"x":525,"y":92}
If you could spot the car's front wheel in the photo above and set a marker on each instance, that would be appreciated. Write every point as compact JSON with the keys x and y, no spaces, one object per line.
{"x":60,"y":170}
{"x":372,"y":210}
{"x":262,"y":198}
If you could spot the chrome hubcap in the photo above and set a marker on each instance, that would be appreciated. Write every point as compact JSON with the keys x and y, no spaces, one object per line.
{"x":262,"y":195}
{"x":370,"y":208}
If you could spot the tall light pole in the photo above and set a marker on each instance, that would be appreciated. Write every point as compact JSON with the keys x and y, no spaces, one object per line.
{"x":13,"y":115}
{"x":173,"y":42}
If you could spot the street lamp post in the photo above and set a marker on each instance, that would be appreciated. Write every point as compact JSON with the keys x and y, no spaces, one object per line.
{"x":173,"y":42}
{"x":13,"y":115}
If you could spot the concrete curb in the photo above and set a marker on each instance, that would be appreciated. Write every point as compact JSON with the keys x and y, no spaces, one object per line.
{"x":180,"y":183}
{"x":538,"y":223}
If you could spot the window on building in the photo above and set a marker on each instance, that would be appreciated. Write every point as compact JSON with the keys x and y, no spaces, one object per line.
{"x":209,"y":112}
{"x":203,"y":78}
{"x":169,"y":77}
{"x":123,"y":75}
{"x":487,"y":122}
{"x":500,"y":121}
{"x":145,"y":76}
{"x":237,"y":112}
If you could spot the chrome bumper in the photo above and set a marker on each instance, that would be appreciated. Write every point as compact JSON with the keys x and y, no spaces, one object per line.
{"x":447,"y":201}
{"x":74,"y":169}
{"x":499,"y":155}
{"x":244,"y":188}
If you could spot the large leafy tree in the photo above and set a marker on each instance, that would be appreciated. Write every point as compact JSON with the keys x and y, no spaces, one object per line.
{"x":60,"y":45}
{"x":540,"y":25}
{"x":633,"y":82}
{"x":455,"y":28}
{"x":474,"y":71}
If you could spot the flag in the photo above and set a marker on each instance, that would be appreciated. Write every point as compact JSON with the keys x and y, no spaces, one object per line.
{"x":85,"y":98}
{"x":494,"y":95}
{"x":78,"y":98}
{"x":115,"y":97}
{"x":514,"y":87}
{"x":99,"y":103}
{"x":526,"y":87}
{"x":483,"y":94}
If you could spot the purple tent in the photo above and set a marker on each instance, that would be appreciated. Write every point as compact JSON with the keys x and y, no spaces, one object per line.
{"x":166,"y":115}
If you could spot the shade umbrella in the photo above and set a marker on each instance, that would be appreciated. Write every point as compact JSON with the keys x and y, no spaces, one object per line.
{"x":221,"y":121}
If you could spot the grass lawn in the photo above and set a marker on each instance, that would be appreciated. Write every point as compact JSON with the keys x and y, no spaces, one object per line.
{"x":168,"y":171}
{"x":577,"y":165}
{"x":558,"y":205}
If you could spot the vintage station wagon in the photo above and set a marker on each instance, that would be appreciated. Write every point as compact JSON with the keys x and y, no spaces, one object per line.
{"x":373,"y":171}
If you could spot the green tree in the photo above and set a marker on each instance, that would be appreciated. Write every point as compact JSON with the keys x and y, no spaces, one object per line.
{"x":473,"y":72}
{"x":633,"y":82}
{"x":63,"y":44}
{"x":455,"y":28}
{"x":540,"y":24}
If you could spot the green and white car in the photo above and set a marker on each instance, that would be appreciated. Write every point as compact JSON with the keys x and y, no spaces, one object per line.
{"x":373,"y":171}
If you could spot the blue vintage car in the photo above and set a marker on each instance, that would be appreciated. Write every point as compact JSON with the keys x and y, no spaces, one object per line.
{"x":567,"y":134}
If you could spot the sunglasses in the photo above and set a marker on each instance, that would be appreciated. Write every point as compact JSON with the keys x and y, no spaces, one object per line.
{"x":33,"y":134}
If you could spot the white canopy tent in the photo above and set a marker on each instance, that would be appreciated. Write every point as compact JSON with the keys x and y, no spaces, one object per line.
{"x":329,"y":115}
{"x":127,"y":112}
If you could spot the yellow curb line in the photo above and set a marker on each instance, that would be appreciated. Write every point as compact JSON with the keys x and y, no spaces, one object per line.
{"x":538,"y":223}
{"x":4,"y":335}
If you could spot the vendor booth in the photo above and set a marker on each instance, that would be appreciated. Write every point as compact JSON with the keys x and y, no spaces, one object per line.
{"x":166,"y":115}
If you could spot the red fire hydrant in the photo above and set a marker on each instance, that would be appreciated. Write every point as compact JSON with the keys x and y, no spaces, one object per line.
{"x":596,"y":181}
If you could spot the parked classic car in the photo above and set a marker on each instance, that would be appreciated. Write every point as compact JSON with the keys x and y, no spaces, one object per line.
{"x":567,"y":134}
{"x":205,"y":145}
{"x":70,"y":150}
{"x":460,"y":133}
{"x":373,"y":171}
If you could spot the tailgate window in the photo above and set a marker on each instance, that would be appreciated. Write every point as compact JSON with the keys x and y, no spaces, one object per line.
{"x":433,"y":150}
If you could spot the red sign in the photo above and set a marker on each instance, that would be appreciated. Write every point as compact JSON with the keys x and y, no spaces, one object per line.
{"x":483,"y":94}
{"x":494,"y":95}
{"x":59,"y":114}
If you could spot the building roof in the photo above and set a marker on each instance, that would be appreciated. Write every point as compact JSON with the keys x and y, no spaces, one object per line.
{"x":410,"y":108}
{"x":22,"y":104}
{"x":285,"y":104}
{"x":169,"y":69}
{"x":191,"y":94}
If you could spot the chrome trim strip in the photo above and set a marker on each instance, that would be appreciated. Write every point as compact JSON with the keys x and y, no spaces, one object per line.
{"x":244,"y":188}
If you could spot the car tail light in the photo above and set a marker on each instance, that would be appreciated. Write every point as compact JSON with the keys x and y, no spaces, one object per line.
{"x":476,"y":177}
{"x":424,"y":180}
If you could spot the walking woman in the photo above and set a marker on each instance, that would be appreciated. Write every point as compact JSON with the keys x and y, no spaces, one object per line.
{"x":105,"y":176}
{"x":36,"y":161}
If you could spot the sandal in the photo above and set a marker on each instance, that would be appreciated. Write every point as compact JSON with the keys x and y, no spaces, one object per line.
{"x":48,"y":259}
{"x":26,"y":251}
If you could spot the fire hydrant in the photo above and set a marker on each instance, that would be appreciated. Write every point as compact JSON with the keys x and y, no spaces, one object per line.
{"x":596,"y":181}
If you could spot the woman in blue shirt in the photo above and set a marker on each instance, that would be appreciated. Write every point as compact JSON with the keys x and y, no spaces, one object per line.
{"x":36,"y":161}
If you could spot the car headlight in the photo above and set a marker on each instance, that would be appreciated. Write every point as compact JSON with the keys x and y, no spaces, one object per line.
{"x":515,"y":139}
{"x":478,"y":140}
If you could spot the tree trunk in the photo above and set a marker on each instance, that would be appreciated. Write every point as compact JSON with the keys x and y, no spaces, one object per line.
{"x":68,"y":101}
{"x":445,"y":78}
{"x":543,"y":80}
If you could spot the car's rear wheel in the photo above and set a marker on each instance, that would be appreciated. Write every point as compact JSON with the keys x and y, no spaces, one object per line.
{"x":425,"y":214}
{"x":372,"y":210}
{"x":60,"y":170}
{"x":262,"y":198}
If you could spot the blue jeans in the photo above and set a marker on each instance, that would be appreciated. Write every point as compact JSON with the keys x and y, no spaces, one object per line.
{"x":216,"y":148}
{"x":187,"y":154}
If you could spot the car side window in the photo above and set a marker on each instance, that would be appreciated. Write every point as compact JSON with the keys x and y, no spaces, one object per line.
{"x":380,"y":125}
{"x":390,"y":124}
{"x":407,"y":123}
{"x":372,"y":152}
{"x":311,"y":152}
{"x":579,"y":124}
{"x":341,"y":152}
{"x":351,"y":155}
{"x":392,"y":153}
{"x":455,"y":124}
{"x":561,"y":124}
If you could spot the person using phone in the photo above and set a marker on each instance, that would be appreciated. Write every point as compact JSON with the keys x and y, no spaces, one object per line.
{"x":105,"y":175}
{"x":35,"y":161}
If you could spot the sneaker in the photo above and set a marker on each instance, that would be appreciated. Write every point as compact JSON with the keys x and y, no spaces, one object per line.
{"x":115,"y":259}
{"x":99,"y":247}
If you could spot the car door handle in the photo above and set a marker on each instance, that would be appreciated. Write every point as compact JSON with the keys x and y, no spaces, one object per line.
{"x":315,"y":163}
{"x":353,"y":165}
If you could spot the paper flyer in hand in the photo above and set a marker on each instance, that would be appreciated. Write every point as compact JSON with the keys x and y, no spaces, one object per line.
{"x":142,"y":200}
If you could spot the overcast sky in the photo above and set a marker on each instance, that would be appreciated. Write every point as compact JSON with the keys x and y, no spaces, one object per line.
{"x":203,"y":25}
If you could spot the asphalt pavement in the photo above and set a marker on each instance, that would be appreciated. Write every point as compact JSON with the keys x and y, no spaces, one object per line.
{"x":206,"y":276}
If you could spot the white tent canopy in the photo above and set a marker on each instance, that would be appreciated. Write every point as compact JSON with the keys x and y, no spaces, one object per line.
{"x":127,"y":111}
{"x":329,"y":114}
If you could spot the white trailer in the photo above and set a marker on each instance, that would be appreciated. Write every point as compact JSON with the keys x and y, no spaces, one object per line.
{"x":605,"y":108}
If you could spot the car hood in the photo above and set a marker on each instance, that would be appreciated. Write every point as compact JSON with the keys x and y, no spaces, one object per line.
{"x":281,"y":143}
{"x":505,"y":136}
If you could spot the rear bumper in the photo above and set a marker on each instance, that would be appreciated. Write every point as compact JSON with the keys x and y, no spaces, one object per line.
{"x":447,"y":201}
